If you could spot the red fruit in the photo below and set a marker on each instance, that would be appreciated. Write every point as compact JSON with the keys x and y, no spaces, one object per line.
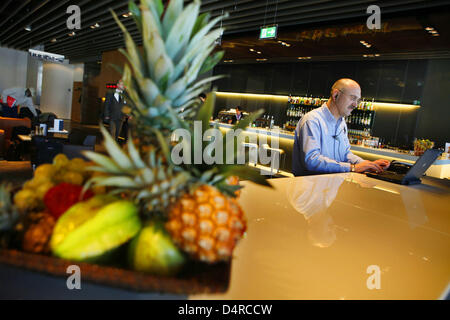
{"x":61,"y":197}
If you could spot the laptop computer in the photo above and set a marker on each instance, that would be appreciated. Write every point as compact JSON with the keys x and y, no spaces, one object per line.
{"x":397,"y":174}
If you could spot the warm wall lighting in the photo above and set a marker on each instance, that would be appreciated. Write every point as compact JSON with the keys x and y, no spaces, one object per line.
{"x":395,"y":106}
{"x":261,"y":59}
{"x":228,"y":61}
{"x":251,"y":96}
{"x":377,"y":105}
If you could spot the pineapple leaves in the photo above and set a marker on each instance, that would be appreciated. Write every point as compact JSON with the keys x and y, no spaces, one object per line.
{"x":211,"y":61}
{"x":181,"y":30}
{"x":137,"y":17}
{"x":114,"y":150}
{"x":173,"y":11}
{"x":133,"y":55}
{"x":134,"y":154}
{"x":201,"y":22}
{"x":106,"y":163}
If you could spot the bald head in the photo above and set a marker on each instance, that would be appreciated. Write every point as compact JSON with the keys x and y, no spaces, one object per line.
{"x":344,"y":85}
{"x":345,"y":96}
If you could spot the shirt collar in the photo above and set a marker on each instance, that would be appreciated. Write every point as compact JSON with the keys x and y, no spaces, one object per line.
{"x":329,"y":116}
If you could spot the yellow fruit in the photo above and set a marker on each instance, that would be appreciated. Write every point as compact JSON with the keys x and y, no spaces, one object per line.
{"x":77,"y":165}
{"x":45,"y":170}
{"x":60,"y":161}
{"x":42,"y":189}
{"x":26,"y":199}
{"x":72,"y":177}
{"x":206,"y":224}
{"x":36,"y":182}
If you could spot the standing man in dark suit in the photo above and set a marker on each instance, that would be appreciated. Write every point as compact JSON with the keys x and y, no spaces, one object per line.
{"x":114,"y":103}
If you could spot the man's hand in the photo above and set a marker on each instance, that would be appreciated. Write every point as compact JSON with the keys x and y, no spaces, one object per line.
{"x":368,"y":166}
{"x":384,"y":164}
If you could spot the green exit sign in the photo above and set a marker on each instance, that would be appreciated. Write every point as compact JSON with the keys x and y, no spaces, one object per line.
{"x":268,"y":32}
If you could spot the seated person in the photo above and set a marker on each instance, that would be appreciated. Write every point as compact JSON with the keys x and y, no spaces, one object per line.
{"x":321,"y":143}
{"x":23,"y":97}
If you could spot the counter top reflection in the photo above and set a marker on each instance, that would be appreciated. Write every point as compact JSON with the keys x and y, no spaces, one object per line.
{"x":315,"y":238}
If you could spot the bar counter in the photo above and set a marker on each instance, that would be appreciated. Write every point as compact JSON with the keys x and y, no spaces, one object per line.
{"x":315,"y":238}
{"x":440,"y":169}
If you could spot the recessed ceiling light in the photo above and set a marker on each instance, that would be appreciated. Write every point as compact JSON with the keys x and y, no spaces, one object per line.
{"x":435,"y":34}
{"x":363,"y":42}
{"x":72,"y":34}
{"x":28,"y":28}
{"x":433,"y":31}
{"x":368,"y":46}
{"x":125,"y":15}
{"x":261,"y":59}
{"x":259,"y":52}
{"x":288,"y":45}
{"x":429,"y":28}
{"x":377,"y":55}
{"x":53,"y":40}
{"x":252,"y":50}
{"x":97,"y":25}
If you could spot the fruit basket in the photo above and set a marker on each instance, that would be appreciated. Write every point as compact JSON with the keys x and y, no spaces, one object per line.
{"x":135,"y":217}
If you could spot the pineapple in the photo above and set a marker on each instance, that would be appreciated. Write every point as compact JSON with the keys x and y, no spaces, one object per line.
{"x":206,"y":224}
{"x":197,"y":201}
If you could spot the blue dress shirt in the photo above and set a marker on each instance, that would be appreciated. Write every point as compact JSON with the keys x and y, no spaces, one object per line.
{"x":321,"y":144}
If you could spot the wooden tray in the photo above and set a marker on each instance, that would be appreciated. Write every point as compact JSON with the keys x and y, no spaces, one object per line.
{"x":196,"y":278}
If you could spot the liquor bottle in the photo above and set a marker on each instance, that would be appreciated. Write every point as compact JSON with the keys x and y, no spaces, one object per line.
{"x":272,"y":122}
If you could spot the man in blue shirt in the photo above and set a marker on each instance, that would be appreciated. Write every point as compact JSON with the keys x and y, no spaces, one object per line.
{"x":321,"y":140}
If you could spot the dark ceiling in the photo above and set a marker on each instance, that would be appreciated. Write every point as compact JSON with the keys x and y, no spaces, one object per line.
{"x":306,"y":25}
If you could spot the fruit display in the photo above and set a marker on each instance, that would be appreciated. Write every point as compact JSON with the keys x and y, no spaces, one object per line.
{"x":134,"y":198}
